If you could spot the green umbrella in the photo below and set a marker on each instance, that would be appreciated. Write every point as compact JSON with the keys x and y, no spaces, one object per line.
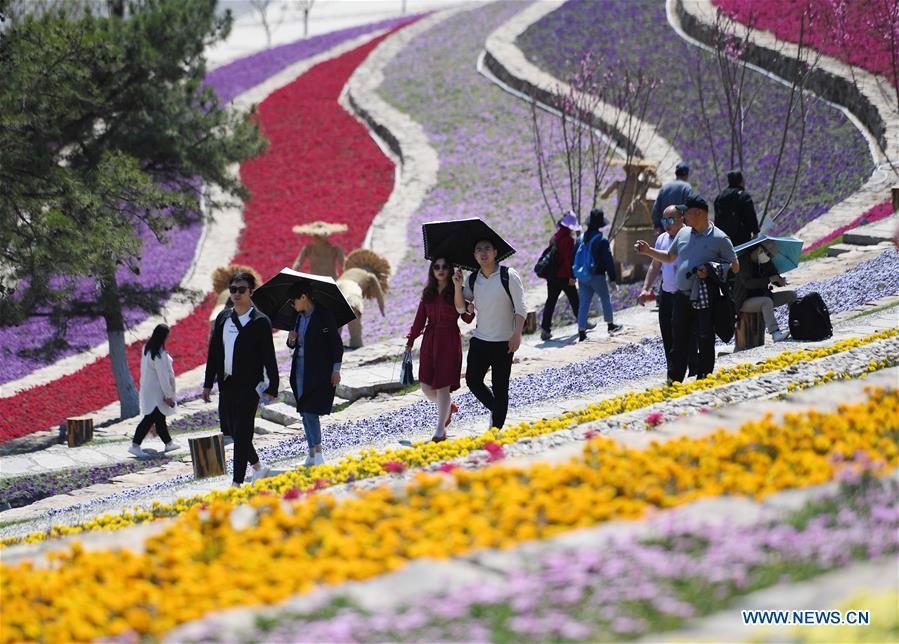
{"x":784,"y":251}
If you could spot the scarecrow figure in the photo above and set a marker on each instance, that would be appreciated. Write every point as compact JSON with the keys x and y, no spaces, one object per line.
{"x":365,"y":276}
{"x":324,"y":257}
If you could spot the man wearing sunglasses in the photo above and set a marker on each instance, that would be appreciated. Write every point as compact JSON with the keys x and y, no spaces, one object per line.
{"x":241,"y":359}
{"x":672,"y":221}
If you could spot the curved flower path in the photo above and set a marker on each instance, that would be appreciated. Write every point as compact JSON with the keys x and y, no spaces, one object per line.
{"x":321,"y":163}
{"x":837,"y":154}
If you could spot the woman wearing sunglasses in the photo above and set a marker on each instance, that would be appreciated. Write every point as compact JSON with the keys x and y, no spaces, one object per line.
{"x":440,"y":362}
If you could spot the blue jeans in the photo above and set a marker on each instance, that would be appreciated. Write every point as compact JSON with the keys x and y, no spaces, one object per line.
{"x":312,"y":424}
{"x":586,"y":289}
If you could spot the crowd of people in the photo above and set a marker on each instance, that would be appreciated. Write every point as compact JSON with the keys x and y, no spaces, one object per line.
{"x":694,"y":256}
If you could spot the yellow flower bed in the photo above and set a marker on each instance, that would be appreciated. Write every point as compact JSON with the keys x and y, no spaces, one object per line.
{"x":223,"y":555}
{"x":370,"y":463}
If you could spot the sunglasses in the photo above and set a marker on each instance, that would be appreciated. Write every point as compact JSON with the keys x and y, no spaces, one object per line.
{"x":239,"y":289}
{"x":668,"y":221}
{"x":441,"y":267}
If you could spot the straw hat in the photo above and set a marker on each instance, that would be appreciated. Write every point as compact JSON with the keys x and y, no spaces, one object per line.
{"x":222,"y":275}
{"x":323,"y":228}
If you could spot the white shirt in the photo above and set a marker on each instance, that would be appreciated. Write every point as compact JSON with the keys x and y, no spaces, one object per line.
{"x":229,"y":337}
{"x":669,"y":271}
{"x":495,"y":311}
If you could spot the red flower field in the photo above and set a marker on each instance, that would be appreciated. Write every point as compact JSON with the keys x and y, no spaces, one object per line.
{"x":322,"y":164}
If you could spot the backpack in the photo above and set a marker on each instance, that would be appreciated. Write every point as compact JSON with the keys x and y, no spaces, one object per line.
{"x":548,"y":263}
{"x":503,"y":277}
{"x":810,"y":318}
{"x":584,"y":267}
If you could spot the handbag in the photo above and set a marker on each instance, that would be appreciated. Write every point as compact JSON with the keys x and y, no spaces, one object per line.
{"x":406,"y":376}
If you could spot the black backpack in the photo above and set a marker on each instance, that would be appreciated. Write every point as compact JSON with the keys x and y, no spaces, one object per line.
{"x":810,"y":319}
{"x":548,"y":263}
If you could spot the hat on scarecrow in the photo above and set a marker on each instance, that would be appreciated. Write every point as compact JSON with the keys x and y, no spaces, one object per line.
{"x":323,"y":228}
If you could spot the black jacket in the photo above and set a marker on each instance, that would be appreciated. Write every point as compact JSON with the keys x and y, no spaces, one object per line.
{"x":254,"y":353}
{"x":322,"y":349}
{"x":735,"y":215}
{"x":752,"y":280}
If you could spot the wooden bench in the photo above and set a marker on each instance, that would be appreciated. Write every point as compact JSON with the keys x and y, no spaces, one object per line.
{"x":79,"y":430}
{"x":750,"y":331}
{"x":207,"y":453}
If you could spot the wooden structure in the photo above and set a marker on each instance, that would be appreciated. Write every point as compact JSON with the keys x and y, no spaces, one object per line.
{"x":207,"y":453}
{"x":750,"y":331}
{"x":79,"y":430}
{"x":633,"y":218}
{"x":530,"y":323}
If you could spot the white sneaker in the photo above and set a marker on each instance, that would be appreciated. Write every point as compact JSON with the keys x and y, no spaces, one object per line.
{"x":310,"y":460}
{"x":780,"y":336}
{"x":137,"y":451}
{"x":319,"y":459}
{"x":235,"y":484}
{"x":229,"y":440}
{"x":261,"y":473}
{"x":172,"y":446}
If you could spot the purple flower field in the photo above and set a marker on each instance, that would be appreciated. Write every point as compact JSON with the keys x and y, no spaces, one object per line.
{"x":483,"y":139}
{"x":630,"y":34}
{"x":628,"y":587}
{"x":164,"y":264}
{"x":24,"y":490}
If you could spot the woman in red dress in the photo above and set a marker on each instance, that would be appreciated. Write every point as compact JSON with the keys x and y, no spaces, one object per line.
{"x":440,"y":361}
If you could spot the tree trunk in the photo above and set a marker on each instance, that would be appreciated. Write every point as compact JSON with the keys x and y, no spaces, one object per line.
{"x":115,"y":331}
{"x":305,"y":23}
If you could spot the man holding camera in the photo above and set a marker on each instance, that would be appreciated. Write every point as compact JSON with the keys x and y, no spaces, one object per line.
{"x":696,"y":248}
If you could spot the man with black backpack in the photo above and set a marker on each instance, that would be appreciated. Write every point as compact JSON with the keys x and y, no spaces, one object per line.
{"x":735,"y":212}
{"x":498,"y":297}
{"x":555,"y":267}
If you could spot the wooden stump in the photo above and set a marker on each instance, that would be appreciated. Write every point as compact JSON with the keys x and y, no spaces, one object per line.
{"x":530,"y":323}
{"x":208,"y":455}
{"x":79,"y":430}
{"x":750,"y":331}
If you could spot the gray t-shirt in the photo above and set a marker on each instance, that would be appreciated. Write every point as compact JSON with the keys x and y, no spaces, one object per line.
{"x":695,"y":249}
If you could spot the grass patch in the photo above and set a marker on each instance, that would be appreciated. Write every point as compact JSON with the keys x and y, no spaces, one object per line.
{"x":820,"y":251}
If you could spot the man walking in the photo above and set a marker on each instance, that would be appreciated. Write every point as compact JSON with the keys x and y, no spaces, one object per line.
{"x":498,"y":297}
{"x":694,"y":249}
{"x":242,"y":359}
{"x":671,"y":193}
{"x":673,"y":221}
{"x":735,"y":212}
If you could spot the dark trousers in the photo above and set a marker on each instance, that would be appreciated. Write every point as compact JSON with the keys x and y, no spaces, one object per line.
{"x":554,"y":287}
{"x":666,"y":322}
{"x":224,"y":422}
{"x":241,"y":402}
{"x":495,"y":356}
{"x":696,"y":325}
{"x":157,"y":418}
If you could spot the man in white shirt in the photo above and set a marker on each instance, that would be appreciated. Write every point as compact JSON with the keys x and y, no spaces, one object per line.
{"x":498,"y":297}
{"x":672,"y":220}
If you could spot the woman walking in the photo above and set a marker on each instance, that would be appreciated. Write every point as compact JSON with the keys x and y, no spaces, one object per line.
{"x":157,"y":392}
{"x":595,"y":270}
{"x":563,"y":280}
{"x":440,"y":362}
{"x":315,"y":368}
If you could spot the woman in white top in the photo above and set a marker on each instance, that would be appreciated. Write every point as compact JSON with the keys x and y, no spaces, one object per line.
{"x":157,"y":392}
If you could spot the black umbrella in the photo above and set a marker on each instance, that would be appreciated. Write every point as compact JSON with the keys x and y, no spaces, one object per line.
{"x":273,"y":298}
{"x":455,"y":241}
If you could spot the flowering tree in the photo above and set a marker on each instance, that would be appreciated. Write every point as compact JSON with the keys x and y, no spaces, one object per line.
{"x":732,"y":50}
{"x":580,"y":127}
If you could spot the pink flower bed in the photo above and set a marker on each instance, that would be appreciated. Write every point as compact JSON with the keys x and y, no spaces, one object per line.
{"x":853,"y":31}
{"x":878,"y":212}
